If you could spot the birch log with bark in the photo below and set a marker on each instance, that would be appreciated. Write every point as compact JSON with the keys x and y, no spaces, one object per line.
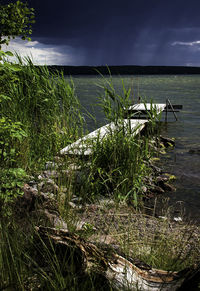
{"x":121,"y":273}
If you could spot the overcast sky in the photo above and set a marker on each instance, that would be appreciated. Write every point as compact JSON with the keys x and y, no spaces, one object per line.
{"x":112,"y":32}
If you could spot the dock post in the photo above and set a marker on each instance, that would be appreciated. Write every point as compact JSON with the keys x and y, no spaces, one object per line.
{"x":169,"y":102}
{"x":166,"y":110}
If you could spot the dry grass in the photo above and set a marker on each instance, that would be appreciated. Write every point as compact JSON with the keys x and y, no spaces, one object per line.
{"x":158,"y":242}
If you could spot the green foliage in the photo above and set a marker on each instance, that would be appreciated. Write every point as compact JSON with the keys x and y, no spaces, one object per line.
{"x":11,"y":184}
{"x":11,"y":269}
{"x":40,"y":114}
{"x":27,"y":262}
{"x":11,"y":134}
{"x":117,"y":168}
{"x":119,"y":164}
{"x":15,"y":20}
{"x":43,"y":102}
{"x":114,"y":104}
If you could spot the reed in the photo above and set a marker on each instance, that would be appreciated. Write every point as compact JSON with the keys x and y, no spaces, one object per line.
{"x":45,"y":107}
{"x":118,"y":164}
{"x":28,"y":262}
{"x":40,"y":115}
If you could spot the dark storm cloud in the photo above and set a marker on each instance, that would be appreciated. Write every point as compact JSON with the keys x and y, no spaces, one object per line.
{"x":119,"y":32}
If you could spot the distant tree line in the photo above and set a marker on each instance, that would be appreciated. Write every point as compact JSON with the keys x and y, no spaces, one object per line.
{"x":126,"y":70}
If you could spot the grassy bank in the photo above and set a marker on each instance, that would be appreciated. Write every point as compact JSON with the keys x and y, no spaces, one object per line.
{"x":39,"y":115}
{"x":100,"y":199}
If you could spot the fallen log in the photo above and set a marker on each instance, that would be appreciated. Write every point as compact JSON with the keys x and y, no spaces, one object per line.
{"x":120,"y":271}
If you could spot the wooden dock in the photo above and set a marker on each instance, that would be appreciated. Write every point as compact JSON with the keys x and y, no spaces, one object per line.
{"x":141,"y":110}
{"x":158,"y":108}
{"x":134,"y":124}
{"x":84,"y":145}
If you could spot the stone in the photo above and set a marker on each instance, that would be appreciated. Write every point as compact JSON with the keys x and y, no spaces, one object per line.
{"x":39,"y":205}
{"x":48,"y":174}
{"x":106,"y":202}
{"x":162,"y":178}
{"x":163,"y":217}
{"x":33,"y":184}
{"x":27,"y":201}
{"x":178,"y":219}
{"x":195,"y":151}
{"x":50,"y":165}
{"x":168,"y":187}
{"x":48,"y":186}
{"x":144,"y":189}
{"x":157,"y":189}
{"x":167,"y":141}
{"x":156,"y":169}
{"x":76,"y":199}
{"x":71,"y":204}
{"x":55,"y":219}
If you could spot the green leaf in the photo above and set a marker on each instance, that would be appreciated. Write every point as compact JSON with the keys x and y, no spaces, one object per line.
{"x":15,"y":68}
{"x":8,"y":53}
{"x":4,"y":97}
{"x":2,"y":53}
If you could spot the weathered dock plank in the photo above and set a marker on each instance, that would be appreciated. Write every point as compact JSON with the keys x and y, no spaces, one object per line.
{"x":175,"y":106}
{"x":143,"y":108}
{"x":84,"y":145}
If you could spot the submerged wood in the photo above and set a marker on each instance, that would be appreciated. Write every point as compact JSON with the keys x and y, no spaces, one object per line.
{"x":84,"y":146}
{"x":121,"y":273}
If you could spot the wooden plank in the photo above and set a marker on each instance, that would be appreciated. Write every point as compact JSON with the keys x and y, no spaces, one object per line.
{"x":175,"y":106}
{"x":169,"y":110}
{"x":143,"y":107}
{"x":160,"y":107}
{"x":170,"y":104}
{"x":147,"y":107}
{"x":84,"y":145}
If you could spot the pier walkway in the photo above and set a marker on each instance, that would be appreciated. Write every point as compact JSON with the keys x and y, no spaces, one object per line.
{"x":84,"y":146}
{"x":158,"y":108}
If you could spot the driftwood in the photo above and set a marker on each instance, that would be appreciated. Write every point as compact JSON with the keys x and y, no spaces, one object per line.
{"x":119,"y":271}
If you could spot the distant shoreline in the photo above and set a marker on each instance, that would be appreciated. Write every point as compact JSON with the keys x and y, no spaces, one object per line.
{"x":126,"y":70}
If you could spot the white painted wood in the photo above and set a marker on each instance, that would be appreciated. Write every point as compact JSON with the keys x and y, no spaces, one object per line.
{"x":147,"y":107}
{"x":84,"y":145}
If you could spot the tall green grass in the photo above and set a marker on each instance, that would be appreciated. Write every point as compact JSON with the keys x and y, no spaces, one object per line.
{"x":28,"y":262}
{"x":114,"y":103}
{"x":116,"y":168}
{"x":44,"y":105}
{"x":119,"y":163}
{"x":40,"y":114}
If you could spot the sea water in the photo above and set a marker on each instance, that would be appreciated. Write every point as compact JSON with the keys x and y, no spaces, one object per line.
{"x":180,"y":89}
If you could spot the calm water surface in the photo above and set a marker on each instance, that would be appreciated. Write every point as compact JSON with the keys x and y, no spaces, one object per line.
{"x":183,"y":90}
